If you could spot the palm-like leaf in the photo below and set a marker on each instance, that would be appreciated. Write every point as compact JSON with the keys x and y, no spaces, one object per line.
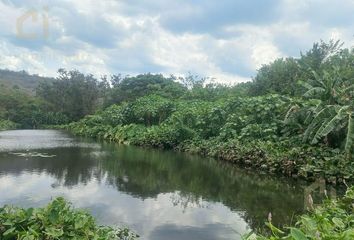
{"x":315,"y":91}
{"x":350,"y":137}
{"x":334,"y":110}
{"x":330,"y":125}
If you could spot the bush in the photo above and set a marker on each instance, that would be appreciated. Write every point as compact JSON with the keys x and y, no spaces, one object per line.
{"x":167,"y":136}
{"x":129,"y":134}
{"x":58,"y":220}
{"x":333,"y":220}
{"x":7,"y":125}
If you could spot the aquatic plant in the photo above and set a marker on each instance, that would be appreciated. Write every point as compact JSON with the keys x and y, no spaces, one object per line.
{"x":333,"y":220}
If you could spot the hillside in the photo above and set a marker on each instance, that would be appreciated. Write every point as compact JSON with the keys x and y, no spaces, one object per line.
{"x":21,"y":79}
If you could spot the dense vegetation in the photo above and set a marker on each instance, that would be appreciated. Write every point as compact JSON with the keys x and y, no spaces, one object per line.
{"x":72,"y":94}
{"x":22,"y":110}
{"x":41,"y":102}
{"x":333,"y":221}
{"x":56,"y":221}
{"x":249,"y":131}
{"x":295,"y":118}
{"x":22,"y":80}
{"x":7,"y":125}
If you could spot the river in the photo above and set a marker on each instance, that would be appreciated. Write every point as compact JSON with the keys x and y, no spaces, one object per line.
{"x":158,"y":194}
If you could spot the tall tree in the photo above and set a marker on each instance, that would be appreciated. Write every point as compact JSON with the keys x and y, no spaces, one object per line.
{"x":72,"y":93}
{"x":130,"y":88}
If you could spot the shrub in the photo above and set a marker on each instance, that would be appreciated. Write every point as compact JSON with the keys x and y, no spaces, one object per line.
{"x":333,"y":220}
{"x":58,"y":220}
{"x":7,"y":125}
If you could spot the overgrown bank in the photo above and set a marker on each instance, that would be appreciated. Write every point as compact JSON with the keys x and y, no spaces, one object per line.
{"x":296,"y":118}
{"x":250,"y":131}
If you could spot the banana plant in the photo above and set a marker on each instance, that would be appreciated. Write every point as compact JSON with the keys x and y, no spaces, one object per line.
{"x":334,"y":110}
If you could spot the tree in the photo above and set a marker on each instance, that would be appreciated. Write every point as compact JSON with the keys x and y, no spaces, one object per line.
{"x":72,"y":93}
{"x":321,"y":52}
{"x":131,"y":88}
{"x":280,"y":77}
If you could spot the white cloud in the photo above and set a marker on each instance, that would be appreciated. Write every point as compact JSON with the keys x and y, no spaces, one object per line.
{"x":136,"y":36}
{"x":264,"y":53}
{"x":115,"y":207}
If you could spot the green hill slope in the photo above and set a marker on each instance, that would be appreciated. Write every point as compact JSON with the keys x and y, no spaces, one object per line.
{"x":22,"y":80}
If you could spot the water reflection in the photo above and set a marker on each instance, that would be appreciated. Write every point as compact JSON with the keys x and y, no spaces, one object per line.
{"x":162,"y":195}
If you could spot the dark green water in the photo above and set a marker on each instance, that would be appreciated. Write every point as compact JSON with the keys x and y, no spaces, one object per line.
{"x":159,"y":194}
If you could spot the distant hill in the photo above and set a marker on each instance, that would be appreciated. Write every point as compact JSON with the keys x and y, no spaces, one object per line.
{"x":22,"y":80}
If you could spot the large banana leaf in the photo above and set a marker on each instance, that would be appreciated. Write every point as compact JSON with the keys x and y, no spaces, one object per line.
{"x":331,"y":124}
{"x":349,"y":145}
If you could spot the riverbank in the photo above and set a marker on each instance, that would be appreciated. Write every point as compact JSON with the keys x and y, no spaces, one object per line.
{"x":281,"y":157}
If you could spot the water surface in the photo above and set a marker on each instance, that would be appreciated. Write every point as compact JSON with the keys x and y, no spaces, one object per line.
{"x":159,"y":194}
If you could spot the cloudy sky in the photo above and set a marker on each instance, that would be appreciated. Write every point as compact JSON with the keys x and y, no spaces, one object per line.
{"x":225,"y":39}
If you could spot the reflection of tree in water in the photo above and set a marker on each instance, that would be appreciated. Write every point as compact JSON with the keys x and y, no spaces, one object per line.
{"x":187,"y":201}
{"x":70,"y":166}
{"x":147,"y":173}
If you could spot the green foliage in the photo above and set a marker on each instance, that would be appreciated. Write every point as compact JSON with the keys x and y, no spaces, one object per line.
{"x":318,"y":57}
{"x":349,"y":143}
{"x":90,"y":126}
{"x":128,"y":134}
{"x":115,"y":115}
{"x":166,"y":136}
{"x":151,"y":110}
{"x":27,"y":111}
{"x":7,"y":125}
{"x":42,"y":118}
{"x":56,"y":221}
{"x":329,"y":119}
{"x":255,"y":118}
{"x":250,"y":131}
{"x":131,"y":88}
{"x":280,"y":77}
{"x":333,"y":220}
{"x":282,"y":157}
{"x":21,"y":80}
{"x":204,"y":118}
{"x":293,"y":107}
{"x":295,"y":119}
{"x":72,"y":94}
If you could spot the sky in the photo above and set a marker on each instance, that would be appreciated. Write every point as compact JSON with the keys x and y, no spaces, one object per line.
{"x":223,"y":39}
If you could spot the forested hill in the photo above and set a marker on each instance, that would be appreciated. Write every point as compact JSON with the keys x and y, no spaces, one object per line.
{"x":22,"y":80}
